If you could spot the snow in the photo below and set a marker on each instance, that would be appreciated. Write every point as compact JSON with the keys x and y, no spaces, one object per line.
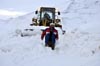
{"x":79,"y":46}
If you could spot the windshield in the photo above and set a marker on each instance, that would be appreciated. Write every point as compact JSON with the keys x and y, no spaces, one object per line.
{"x":47,"y":15}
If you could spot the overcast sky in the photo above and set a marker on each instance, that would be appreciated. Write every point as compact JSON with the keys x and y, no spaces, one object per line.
{"x":18,"y":5}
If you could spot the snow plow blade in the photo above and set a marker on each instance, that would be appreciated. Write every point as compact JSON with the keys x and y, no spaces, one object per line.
{"x":30,"y":31}
{"x":36,"y":31}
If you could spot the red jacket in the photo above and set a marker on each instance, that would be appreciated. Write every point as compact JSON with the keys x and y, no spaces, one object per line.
{"x":47,"y":31}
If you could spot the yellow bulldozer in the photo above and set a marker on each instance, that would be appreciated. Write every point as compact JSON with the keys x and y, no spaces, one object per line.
{"x":45,"y":16}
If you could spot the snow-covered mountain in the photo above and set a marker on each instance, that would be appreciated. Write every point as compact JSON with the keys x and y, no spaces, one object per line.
{"x":80,"y":46}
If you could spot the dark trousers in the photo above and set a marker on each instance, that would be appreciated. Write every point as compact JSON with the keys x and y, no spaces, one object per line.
{"x":50,"y":40}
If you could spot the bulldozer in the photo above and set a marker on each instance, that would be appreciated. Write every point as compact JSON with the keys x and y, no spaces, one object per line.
{"x":45,"y":16}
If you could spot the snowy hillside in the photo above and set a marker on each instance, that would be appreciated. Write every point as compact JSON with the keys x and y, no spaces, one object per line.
{"x":83,"y":15}
{"x":80,"y":46}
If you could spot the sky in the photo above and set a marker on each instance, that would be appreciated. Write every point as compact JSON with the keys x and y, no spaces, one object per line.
{"x":18,"y":5}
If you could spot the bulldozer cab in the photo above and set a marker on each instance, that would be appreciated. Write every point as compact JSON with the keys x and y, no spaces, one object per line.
{"x":49,"y":12}
{"x":46,"y":15}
